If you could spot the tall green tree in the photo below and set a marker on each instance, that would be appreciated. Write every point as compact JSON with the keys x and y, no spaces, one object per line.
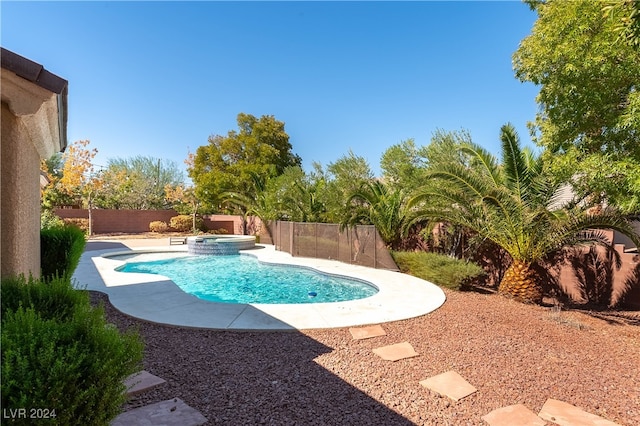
{"x":138,"y":183}
{"x":443,"y":148}
{"x":52,"y":194}
{"x":589,"y":100}
{"x":511,"y":203}
{"x":343,"y":177}
{"x":80,"y":180}
{"x":403,"y":165}
{"x":626,"y":17}
{"x":226,"y":164}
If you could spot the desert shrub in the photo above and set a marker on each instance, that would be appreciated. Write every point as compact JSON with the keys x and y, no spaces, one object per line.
{"x":60,"y":250}
{"x":78,"y":222}
{"x":220,"y":231}
{"x":62,"y":355}
{"x":158,"y":226}
{"x":74,"y":367}
{"x":49,"y":219}
{"x":184,"y":223}
{"x":437,"y":268}
{"x":55,"y":300}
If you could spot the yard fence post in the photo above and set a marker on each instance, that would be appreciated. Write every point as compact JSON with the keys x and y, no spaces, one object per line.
{"x":375,"y":247}
{"x":292,"y":227}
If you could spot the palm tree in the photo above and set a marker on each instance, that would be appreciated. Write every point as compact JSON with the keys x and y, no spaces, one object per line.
{"x":255,"y":201}
{"x":374,"y":203}
{"x":305,"y":202}
{"x":511,"y":203}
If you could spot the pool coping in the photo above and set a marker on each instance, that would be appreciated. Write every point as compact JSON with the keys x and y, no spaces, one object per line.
{"x":157,"y":299}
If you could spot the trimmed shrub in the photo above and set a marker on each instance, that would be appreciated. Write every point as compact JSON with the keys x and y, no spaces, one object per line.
{"x":56,"y":300}
{"x":62,"y":356}
{"x":158,"y":226}
{"x":78,"y":222}
{"x":184,"y":223}
{"x":437,"y":268}
{"x":74,"y":367}
{"x":49,"y":219}
{"x":60,"y":251}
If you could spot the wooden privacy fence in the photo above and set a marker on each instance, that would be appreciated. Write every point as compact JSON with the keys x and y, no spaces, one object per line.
{"x":359,"y":245}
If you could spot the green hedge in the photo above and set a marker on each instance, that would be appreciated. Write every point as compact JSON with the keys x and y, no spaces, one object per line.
{"x":60,"y":250}
{"x":437,"y":268}
{"x":59,"y":353}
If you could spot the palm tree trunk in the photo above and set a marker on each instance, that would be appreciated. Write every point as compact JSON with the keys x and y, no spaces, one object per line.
{"x":520,"y":283}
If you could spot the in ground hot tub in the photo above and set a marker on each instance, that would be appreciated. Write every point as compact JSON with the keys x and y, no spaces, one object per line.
{"x":220,"y":244}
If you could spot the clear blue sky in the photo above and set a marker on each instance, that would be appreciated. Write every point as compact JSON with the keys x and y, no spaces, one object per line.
{"x":157,"y":78}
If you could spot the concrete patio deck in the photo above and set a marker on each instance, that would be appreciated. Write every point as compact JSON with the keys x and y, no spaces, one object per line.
{"x":157,"y":299}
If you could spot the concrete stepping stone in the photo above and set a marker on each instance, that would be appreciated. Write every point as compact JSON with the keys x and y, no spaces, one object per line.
{"x":367,"y":332}
{"x":141,"y":382}
{"x":449,"y":384}
{"x":173,"y":412}
{"x":513,"y":415}
{"x":396,"y":352}
{"x":566,"y":414}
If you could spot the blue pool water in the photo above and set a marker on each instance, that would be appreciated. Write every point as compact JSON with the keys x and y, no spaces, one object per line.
{"x":242,"y":279}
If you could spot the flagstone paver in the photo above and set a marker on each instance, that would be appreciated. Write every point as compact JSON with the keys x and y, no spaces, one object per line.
{"x":513,"y":415}
{"x":566,"y":414}
{"x":367,"y":332}
{"x":173,"y":412}
{"x":396,"y":352}
{"x":449,"y":384}
{"x":141,"y":381}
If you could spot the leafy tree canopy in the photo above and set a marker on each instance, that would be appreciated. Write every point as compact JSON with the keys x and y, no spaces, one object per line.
{"x":260,"y":147}
{"x":588,"y":78}
{"x":52,"y":194}
{"x":78,"y":176}
{"x":589,"y":95}
{"x":138,"y":183}
{"x":626,"y":15}
{"x":301,"y":197}
{"x":343,"y":177}
{"x":403,"y":164}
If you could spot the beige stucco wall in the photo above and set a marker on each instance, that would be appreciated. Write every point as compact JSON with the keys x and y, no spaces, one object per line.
{"x":20,"y":193}
{"x":30,"y":131}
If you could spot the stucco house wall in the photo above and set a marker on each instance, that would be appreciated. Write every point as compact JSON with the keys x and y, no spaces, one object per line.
{"x":34,"y":109}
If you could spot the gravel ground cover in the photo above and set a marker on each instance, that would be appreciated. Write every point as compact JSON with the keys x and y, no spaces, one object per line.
{"x":512,"y":353}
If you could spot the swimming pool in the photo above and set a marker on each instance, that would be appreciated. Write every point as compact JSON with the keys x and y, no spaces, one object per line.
{"x":244,"y":279}
{"x":157,"y":299}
